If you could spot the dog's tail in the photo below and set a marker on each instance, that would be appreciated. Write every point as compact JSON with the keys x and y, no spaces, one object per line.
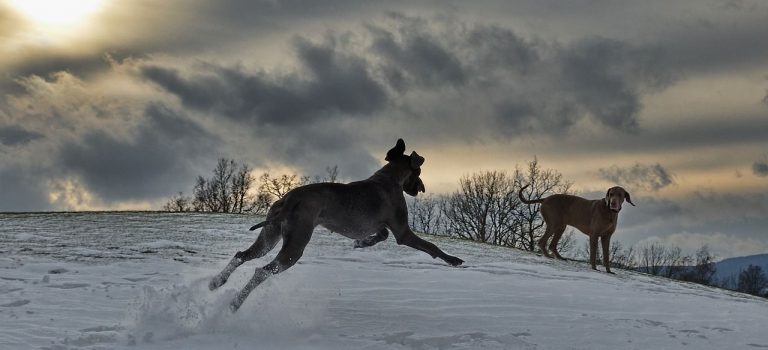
{"x":528,"y":201}
{"x":275,"y":215}
{"x":259,"y":225}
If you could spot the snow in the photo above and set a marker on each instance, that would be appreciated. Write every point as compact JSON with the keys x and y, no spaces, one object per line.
{"x":139,"y":281}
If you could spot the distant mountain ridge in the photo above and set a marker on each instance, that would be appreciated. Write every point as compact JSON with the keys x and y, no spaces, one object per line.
{"x":728,"y":269}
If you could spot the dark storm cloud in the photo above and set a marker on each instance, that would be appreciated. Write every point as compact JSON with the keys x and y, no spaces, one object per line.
{"x":153,"y":163}
{"x":760,"y":168}
{"x":531,"y":86}
{"x":413,"y":51}
{"x":639,"y":176}
{"x":330,"y":83}
{"x":710,"y":45}
{"x":21,"y":191}
{"x":16,"y":135}
{"x":43,"y":64}
{"x":606,"y":76}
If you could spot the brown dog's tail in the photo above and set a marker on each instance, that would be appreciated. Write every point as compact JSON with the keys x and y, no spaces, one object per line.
{"x":528,"y":201}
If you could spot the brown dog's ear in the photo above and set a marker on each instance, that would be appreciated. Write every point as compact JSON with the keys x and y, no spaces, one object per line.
{"x":420,"y":186}
{"x":628,"y":198}
{"x":396,"y":151}
{"x":416,"y":160}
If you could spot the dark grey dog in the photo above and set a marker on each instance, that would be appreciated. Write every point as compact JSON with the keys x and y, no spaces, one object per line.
{"x":362,"y":210}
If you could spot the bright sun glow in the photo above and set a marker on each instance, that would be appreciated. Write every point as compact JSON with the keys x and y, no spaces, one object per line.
{"x":56,"y":13}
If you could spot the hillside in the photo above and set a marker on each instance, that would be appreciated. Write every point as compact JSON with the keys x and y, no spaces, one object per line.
{"x":138,"y":281}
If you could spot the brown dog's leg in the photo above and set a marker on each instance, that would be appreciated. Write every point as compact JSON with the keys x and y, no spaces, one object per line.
{"x":606,"y":242}
{"x":543,"y":240}
{"x":593,"y":251}
{"x":295,"y":239}
{"x":558,"y":233}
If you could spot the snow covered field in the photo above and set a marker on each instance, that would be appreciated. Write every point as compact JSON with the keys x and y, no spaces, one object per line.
{"x":139,"y":281}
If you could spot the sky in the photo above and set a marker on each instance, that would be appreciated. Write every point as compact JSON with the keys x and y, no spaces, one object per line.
{"x":117,"y":105}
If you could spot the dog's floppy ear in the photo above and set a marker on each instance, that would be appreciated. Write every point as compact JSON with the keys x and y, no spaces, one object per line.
{"x":628,"y":198}
{"x":416,"y":160}
{"x":396,"y":151}
{"x":420,"y":186}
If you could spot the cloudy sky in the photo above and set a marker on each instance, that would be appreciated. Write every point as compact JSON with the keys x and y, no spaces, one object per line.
{"x":113,"y":104}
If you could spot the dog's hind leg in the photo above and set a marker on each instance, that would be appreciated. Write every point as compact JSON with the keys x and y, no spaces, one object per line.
{"x":548,"y":232}
{"x":558,"y":233}
{"x":267,"y":240}
{"x":372,"y":239}
{"x":295,"y":239}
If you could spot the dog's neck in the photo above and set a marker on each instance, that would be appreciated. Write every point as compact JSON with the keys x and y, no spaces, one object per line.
{"x":392,"y":172}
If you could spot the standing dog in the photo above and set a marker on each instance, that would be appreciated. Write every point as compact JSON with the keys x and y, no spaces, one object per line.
{"x":597,"y":218}
{"x":362,"y":210}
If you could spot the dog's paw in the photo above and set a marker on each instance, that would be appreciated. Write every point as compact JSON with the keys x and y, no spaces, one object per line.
{"x":233,"y":306}
{"x":358,"y":243}
{"x":453,"y":261}
{"x":216,"y":282}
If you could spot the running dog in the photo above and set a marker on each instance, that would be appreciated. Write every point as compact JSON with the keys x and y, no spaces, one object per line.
{"x":363,"y":210}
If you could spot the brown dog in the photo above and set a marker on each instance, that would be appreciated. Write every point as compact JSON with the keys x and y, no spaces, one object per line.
{"x":596,"y":218}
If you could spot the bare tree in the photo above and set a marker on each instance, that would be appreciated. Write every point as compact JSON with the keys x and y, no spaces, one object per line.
{"x":752,"y":280}
{"x":261,"y":203}
{"x":232,"y":189}
{"x":704,"y":269}
{"x":278,"y":186}
{"x":426,"y":214}
{"x":331,"y":174}
{"x":622,"y":257}
{"x":483,"y":208}
{"x":653,"y":258}
{"x":542,"y":182}
{"x":227,"y":191}
{"x":178,"y":203}
{"x":619,"y":256}
{"x":674,"y":262}
{"x":205,"y":193}
{"x":567,"y":243}
{"x":222,"y":177}
{"x":241,"y":184}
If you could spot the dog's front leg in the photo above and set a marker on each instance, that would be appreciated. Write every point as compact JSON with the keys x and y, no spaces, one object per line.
{"x":593,"y":251}
{"x":405,"y":236}
{"x":605,"y":240}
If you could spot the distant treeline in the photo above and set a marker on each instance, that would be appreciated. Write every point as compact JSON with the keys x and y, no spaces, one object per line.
{"x":485,"y":208}
{"x":232,"y":188}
